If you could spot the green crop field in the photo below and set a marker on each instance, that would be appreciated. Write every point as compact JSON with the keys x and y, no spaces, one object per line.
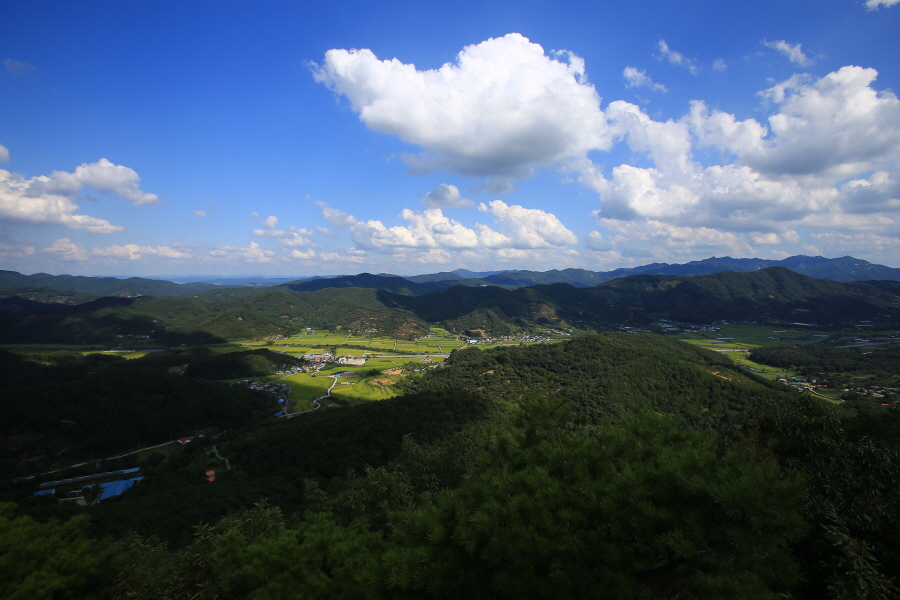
{"x":761,"y":370}
{"x":304,"y":389}
{"x":749,"y":335}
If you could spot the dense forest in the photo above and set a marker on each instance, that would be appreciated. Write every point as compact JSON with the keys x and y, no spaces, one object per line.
{"x":607,"y":466}
{"x":609,"y":375}
{"x":64,"y":406}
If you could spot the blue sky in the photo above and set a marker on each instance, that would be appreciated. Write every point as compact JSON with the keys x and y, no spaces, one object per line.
{"x":285,"y":138}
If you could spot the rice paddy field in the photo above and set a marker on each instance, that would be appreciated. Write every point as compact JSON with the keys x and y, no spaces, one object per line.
{"x":749,"y":335}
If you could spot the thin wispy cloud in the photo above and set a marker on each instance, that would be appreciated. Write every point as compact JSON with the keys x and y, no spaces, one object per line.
{"x":637,"y":78}
{"x":676,"y":58}
{"x":17,"y":67}
{"x":794,"y":52}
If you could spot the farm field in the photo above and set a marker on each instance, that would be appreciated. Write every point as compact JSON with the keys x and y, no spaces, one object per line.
{"x":750,"y":335}
{"x":355,"y":384}
{"x":764,"y":371}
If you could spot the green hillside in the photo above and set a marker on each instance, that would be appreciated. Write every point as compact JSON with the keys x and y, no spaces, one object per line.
{"x":64,"y":407}
{"x":775,"y":294}
{"x":633,"y":466}
{"x":98,"y":286}
{"x":178,"y":320}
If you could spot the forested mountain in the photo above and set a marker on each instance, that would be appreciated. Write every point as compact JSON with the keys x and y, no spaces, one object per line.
{"x":206,"y":319}
{"x":774,"y":294}
{"x":69,"y":289}
{"x":407,"y":286}
{"x":845,"y":269}
{"x":392,"y":283}
{"x":609,"y":376}
{"x":95,"y":287}
{"x":624,"y":466}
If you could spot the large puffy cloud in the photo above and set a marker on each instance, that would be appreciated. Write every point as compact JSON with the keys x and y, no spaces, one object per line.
{"x":836,"y":126}
{"x":515,"y":228}
{"x":826,"y":158}
{"x":43,"y":201}
{"x":50,"y":200}
{"x":114,"y":179}
{"x":428,"y":229}
{"x":795,"y":172}
{"x":501,"y":109}
{"x":523,"y":228}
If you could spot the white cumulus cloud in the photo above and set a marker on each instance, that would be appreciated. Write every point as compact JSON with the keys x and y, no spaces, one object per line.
{"x":828,"y":158}
{"x":114,"y":179}
{"x":501,"y":109}
{"x":523,"y":228}
{"x":427,"y":229}
{"x":50,"y":200}
{"x":42,"y":201}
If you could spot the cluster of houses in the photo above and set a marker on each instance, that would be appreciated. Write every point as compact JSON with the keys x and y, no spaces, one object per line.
{"x":356,"y":361}
{"x":318,"y":360}
{"x":291,"y":369}
{"x":502,"y":339}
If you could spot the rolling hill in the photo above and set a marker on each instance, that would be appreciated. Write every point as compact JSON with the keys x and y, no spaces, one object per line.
{"x":774,"y":294}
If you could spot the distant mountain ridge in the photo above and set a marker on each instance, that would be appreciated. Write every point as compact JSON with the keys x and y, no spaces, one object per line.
{"x":772,"y":295}
{"x":71,"y":289}
{"x":845,"y":270}
{"x":100,"y":286}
